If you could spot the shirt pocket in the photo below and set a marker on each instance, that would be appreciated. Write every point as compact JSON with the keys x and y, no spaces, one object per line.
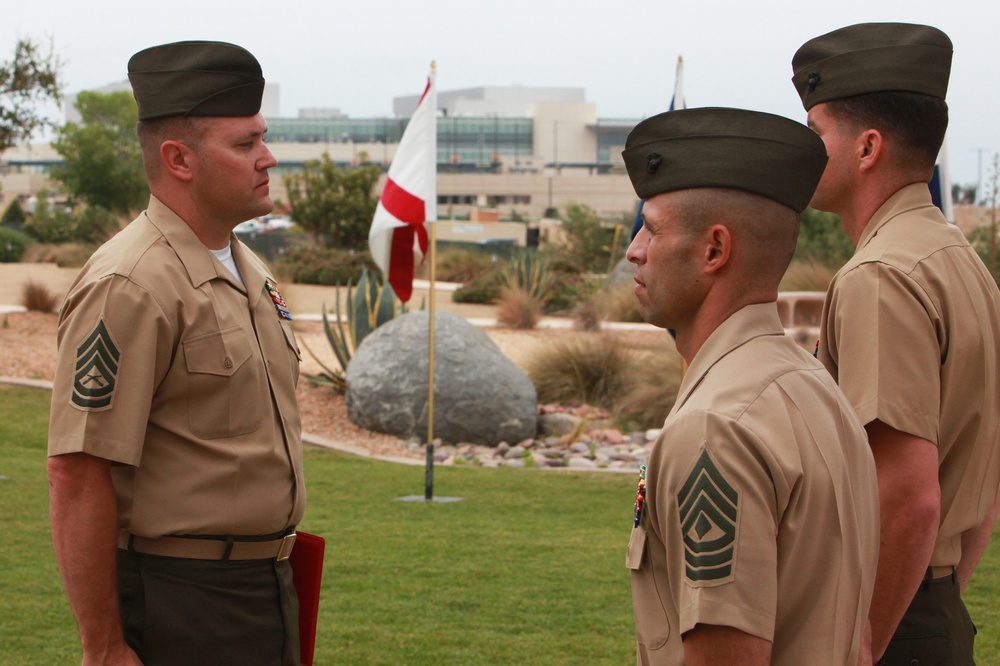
{"x":224,"y":384}
{"x":652,"y":624}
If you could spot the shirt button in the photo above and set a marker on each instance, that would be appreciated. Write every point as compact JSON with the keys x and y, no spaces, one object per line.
{"x":228,"y":362}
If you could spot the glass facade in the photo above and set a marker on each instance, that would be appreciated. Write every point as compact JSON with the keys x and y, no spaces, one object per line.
{"x":464,"y":144}
{"x":335,"y":130}
{"x":483,"y":142}
{"x":611,"y":135}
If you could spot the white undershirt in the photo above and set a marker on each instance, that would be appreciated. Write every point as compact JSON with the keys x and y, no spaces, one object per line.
{"x":225,"y":255}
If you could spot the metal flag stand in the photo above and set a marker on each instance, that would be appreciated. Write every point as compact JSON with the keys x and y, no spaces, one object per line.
{"x":428,"y":495}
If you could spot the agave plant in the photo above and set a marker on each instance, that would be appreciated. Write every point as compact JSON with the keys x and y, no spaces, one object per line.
{"x":369,"y":304}
{"x":529,"y":271}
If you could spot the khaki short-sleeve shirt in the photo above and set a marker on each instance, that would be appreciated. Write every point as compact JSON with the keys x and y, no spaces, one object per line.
{"x":911,"y":332}
{"x":761,"y":504}
{"x":183,"y":378}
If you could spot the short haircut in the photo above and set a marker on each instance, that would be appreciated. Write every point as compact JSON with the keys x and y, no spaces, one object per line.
{"x":914,"y":123}
{"x":189,"y":130}
{"x":766,"y":230}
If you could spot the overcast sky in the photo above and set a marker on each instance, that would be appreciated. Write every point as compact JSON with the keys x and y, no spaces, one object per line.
{"x":357,"y":55}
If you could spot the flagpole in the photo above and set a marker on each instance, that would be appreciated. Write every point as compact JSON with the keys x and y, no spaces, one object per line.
{"x":429,"y":473}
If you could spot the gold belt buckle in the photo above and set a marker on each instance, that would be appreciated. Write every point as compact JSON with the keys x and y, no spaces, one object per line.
{"x":285,"y":551}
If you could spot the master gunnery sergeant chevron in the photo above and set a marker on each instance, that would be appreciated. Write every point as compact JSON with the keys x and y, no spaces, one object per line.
{"x":755,"y":538}
{"x":910,"y":329}
{"x":175,"y":465}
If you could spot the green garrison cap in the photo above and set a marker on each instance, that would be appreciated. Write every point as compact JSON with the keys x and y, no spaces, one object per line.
{"x":713,"y":147}
{"x":872,"y":57}
{"x":196,"y":79}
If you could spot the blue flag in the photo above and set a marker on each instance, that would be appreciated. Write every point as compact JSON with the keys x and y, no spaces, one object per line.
{"x":940,"y":186}
{"x":676,"y":103}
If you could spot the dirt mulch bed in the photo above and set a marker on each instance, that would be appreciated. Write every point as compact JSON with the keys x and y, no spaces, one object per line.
{"x":28,"y":351}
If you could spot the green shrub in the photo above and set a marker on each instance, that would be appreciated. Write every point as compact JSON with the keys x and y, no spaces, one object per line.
{"x":48,"y":225}
{"x":459,"y":265}
{"x":591,"y":244}
{"x":12,"y":245}
{"x":481,"y":291}
{"x":14,"y":216}
{"x":568,"y":289}
{"x":312,"y":264}
{"x":822,"y":239}
{"x":95,"y":225}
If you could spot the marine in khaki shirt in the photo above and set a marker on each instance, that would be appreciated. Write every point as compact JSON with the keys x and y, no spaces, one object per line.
{"x":926,"y":360}
{"x":185,"y":378}
{"x":175,"y":453}
{"x":755,"y":537}
{"x":910,"y":330}
{"x":761,"y":511}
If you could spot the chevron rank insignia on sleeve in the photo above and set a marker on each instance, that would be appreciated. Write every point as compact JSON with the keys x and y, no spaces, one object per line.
{"x":708,"y":507}
{"x":97,"y":361}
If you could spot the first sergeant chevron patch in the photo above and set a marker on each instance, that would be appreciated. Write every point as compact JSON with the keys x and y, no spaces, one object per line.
{"x":709,"y":508}
{"x":97,"y":361}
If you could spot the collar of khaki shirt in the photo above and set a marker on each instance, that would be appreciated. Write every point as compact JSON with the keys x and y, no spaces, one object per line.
{"x":750,"y":322}
{"x":912,"y":197}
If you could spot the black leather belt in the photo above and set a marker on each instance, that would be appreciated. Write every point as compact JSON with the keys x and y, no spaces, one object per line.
{"x":212,"y":548}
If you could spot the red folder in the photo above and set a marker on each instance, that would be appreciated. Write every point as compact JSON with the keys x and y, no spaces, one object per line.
{"x":307,"y":572}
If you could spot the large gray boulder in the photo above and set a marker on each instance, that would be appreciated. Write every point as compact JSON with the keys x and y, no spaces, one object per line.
{"x":480,"y":396}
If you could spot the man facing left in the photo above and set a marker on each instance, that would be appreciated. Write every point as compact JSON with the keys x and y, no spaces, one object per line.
{"x":175,"y":457}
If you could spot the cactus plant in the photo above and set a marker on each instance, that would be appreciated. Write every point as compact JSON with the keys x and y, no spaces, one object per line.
{"x":369,"y":304}
{"x":529,"y":271}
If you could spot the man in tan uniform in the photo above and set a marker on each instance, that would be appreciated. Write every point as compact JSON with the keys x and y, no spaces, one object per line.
{"x":910,"y":329}
{"x":175,"y":454}
{"x":756,"y":524}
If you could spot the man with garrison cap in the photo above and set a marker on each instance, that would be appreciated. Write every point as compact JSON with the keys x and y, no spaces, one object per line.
{"x":910,"y":329}
{"x":175,"y":457}
{"x":756,"y":523}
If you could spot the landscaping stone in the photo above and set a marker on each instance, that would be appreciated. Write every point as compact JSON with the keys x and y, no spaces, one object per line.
{"x":558,"y":423}
{"x":480,"y":395}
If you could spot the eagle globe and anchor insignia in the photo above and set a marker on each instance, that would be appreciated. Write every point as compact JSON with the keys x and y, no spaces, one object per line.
{"x":708,"y":507}
{"x":96,"y":374}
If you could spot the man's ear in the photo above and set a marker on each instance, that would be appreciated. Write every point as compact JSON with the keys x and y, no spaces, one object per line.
{"x":177,"y":159}
{"x":871,"y":146}
{"x":718,"y":247}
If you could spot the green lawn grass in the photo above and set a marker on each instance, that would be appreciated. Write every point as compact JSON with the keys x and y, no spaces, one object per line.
{"x":527,"y":569}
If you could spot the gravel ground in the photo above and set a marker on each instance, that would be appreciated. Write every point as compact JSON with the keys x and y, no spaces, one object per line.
{"x":28,"y":350}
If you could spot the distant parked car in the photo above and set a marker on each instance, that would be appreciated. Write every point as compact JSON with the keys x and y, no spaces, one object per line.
{"x":262,"y":224}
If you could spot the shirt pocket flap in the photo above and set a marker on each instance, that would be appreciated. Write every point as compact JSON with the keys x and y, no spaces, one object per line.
{"x":636,"y":548}
{"x":221,"y":353}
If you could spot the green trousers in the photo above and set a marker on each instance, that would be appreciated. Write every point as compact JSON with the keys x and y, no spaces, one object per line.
{"x":197,"y":612}
{"x":936,"y":629}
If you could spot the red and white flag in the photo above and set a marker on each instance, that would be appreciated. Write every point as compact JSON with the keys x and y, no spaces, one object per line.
{"x":398,"y":235}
